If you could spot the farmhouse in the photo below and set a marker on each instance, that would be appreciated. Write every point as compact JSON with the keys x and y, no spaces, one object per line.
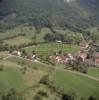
{"x":96,"y":58}
{"x":81,"y":55}
{"x":17,"y":53}
{"x":62,"y":58}
{"x":58,"y":41}
{"x":31,"y":56}
{"x":84,"y":45}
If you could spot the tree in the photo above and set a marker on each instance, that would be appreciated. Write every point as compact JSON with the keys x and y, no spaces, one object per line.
{"x":33,"y":52}
{"x":78,"y":65}
{"x":37,"y":97}
{"x":67,"y":97}
{"x":45,"y":80}
{"x":92,"y":98}
{"x":12,"y":95}
{"x":24,"y":53}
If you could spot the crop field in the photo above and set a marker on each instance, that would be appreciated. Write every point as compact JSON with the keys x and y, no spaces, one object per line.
{"x":50,"y":48}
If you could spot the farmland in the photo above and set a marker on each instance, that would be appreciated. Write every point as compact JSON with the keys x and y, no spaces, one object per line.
{"x":12,"y":76}
{"x":17,"y":41}
{"x":75,"y":83}
{"x":94,"y":72}
{"x":50,"y":48}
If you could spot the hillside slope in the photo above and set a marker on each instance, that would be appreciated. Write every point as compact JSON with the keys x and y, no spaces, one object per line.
{"x":58,"y":12}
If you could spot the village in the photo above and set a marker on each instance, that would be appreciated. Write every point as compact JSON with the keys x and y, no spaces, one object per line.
{"x":87,"y":54}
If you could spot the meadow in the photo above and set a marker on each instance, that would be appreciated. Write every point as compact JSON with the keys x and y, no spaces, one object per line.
{"x":17,"y":41}
{"x":12,"y":76}
{"x":50,"y":48}
{"x":94,"y":72}
{"x":78,"y":85}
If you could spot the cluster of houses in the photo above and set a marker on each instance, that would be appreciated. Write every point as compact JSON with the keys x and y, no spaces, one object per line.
{"x":65,"y":58}
{"x":28,"y":56}
{"x":80,"y":55}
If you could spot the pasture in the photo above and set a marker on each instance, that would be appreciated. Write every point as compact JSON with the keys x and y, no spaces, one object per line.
{"x":94,"y":72}
{"x":20,"y":74}
{"x":49,"y":48}
{"x":79,"y":85}
{"x":18,"y":40}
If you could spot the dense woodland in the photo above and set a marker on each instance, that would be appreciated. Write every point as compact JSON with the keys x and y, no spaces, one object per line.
{"x":76,"y":15}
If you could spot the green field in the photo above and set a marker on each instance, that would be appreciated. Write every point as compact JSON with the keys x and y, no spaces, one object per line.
{"x":18,"y":40}
{"x":28,"y":30}
{"x":71,"y":82}
{"x":50,"y":48}
{"x":94,"y":72}
{"x":11,"y":78}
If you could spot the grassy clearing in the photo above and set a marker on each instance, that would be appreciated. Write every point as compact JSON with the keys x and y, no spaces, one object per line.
{"x":50,"y":48}
{"x":70,"y":82}
{"x":94,"y":72}
{"x":3,"y":54}
{"x":11,"y":78}
{"x":28,"y":30}
{"x":31,"y":64}
{"x":40,"y":36}
{"x":18,"y":40}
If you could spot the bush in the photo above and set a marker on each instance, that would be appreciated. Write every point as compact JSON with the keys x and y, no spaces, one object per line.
{"x":67,"y":97}
{"x":92,"y":98}
{"x":45,"y":80}
{"x":43,"y":93}
{"x":1,"y":68}
{"x":37,"y":97}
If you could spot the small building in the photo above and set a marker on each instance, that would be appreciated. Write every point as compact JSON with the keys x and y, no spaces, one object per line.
{"x":97,"y":61}
{"x":61,"y":58}
{"x":31,"y":56}
{"x":17,"y":53}
{"x":84,"y":45}
{"x":82,"y":55}
{"x":58,"y":41}
{"x":96,"y":58}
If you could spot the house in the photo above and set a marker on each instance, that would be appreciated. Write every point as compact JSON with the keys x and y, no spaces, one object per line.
{"x":84,"y":44}
{"x":17,"y":53}
{"x":96,"y":46}
{"x":62,"y":58}
{"x":31,"y":56}
{"x":58,"y":41}
{"x":97,"y":61}
{"x":96,"y":58}
{"x":82,"y":55}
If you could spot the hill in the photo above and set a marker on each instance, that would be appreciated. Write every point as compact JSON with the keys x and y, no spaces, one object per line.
{"x":78,"y":13}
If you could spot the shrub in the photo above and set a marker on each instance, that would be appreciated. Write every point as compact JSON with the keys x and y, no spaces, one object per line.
{"x":45,"y":80}
{"x":43,"y":93}
{"x":1,"y":68}
{"x":92,"y":98}
{"x":37,"y":97}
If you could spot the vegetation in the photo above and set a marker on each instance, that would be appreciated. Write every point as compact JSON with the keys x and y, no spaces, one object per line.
{"x":72,"y":82}
{"x":49,"y":48}
{"x":43,"y":29}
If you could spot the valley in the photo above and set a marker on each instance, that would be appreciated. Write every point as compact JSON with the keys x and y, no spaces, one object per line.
{"x":49,"y":49}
